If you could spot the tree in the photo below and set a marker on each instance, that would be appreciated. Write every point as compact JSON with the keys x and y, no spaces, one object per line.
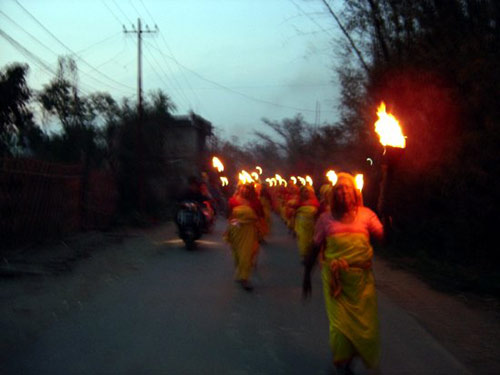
{"x":435,"y":64}
{"x":18,"y":132}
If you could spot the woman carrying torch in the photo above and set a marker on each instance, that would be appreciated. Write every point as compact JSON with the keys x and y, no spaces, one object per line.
{"x":305,"y":218}
{"x":244,"y":232}
{"x":343,"y":235}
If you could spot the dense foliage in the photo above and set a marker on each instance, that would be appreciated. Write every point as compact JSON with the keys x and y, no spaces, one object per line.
{"x":95,"y":130}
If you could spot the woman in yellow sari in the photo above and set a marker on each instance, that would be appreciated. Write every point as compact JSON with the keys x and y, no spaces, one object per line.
{"x":305,"y":218}
{"x":243,"y":233}
{"x":343,"y":235}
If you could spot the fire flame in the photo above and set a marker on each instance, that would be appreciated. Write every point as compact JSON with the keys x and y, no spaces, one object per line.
{"x":224,"y":181}
{"x":259,"y":169}
{"x":294,"y":180}
{"x":255,"y":176}
{"x":332,"y":176}
{"x":302,"y":180}
{"x":388,"y":129}
{"x":245,"y":177}
{"x":359,"y":181}
{"x":309,"y":180}
{"x":217,"y":164}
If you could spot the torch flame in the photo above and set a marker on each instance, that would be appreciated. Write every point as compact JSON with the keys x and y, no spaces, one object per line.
{"x":388,"y":129}
{"x":259,"y":169}
{"x":255,"y":176}
{"x":358,"y":179}
{"x":302,"y":180}
{"x":294,"y":180}
{"x":245,"y":177}
{"x":332,"y":176}
{"x":224,"y":181}
{"x":309,"y":180}
{"x":217,"y":164}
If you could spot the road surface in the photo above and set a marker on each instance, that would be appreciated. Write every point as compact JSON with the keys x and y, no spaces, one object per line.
{"x":183,"y":314}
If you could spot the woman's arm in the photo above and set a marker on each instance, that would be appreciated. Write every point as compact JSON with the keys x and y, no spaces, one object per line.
{"x":309,"y":262}
{"x":310,"y":259}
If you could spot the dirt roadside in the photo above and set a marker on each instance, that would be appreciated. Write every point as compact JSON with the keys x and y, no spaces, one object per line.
{"x":55,"y":280}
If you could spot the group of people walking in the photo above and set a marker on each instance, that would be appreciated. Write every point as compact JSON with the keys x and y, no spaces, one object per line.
{"x":335,"y":231}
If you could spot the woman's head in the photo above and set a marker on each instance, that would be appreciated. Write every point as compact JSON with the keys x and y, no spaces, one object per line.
{"x":247,"y":192}
{"x":345,"y":196}
{"x":306,"y":192}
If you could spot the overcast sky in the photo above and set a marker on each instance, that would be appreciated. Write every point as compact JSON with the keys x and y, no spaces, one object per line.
{"x":231,"y":61}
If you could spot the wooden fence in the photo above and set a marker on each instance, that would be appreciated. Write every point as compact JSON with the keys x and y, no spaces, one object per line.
{"x":41,"y":200}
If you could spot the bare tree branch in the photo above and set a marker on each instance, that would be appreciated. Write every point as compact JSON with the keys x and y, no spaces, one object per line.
{"x":346,"y":33}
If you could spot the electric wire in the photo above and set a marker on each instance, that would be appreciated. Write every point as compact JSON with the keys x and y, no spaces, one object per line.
{"x":69,"y":49}
{"x":34,"y":58}
{"x":122,"y":12}
{"x":147,"y":11}
{"x":172,"y":74}
{"x":55,"y":54}
{"x":173,"y":56}
{"x":98,"y":43}
{"x":240,"y":93}
{"x":310,"y":18}
{"x":113,"y":13}
{"x":186,"y":101}
{"x":133,"y":6}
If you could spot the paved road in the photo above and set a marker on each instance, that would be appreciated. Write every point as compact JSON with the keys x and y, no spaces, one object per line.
{"x":183,"y":314}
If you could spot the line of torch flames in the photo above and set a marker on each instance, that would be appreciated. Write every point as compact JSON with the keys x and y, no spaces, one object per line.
{"x":387,"y":127}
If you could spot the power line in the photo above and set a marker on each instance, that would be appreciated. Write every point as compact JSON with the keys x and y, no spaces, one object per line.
{"x":122,"y":12}
{"x":98,"y":43}
{"x":240,"y":93}
{"x":133,"y":6}
{"x":310,"y":18}
{"x":54,"y":53}
{"x":27,"y":53}
{"x":112,"y":13}
{"x":173,"y":56}
{"x":161,"y":79}
{"x":30,"y":55}
{"x":147,"y":11}
{"x":69,"y":49}
{"x":179,"y":87}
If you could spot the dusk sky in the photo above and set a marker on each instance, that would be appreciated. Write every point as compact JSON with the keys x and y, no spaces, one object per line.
{"x":231,"y":61}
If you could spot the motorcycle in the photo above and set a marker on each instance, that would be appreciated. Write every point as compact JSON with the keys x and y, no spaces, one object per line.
{"x":193,"y":219}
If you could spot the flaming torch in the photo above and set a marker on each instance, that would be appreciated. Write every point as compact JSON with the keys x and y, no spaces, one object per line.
{"x":309,"y":180}
{"x":217,"y":164}
{"x":332,"y":176}
{"x":394,"y":142}
{"x":359,"y":181}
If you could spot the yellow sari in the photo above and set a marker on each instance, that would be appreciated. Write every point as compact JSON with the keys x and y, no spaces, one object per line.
{"x":351,"y":301}
{"x":243,"y":236}
{"x":304,"y":228}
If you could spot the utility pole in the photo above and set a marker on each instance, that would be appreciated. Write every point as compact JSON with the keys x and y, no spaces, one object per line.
{"x":139,"y":31}
{"x":140,"y":144}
